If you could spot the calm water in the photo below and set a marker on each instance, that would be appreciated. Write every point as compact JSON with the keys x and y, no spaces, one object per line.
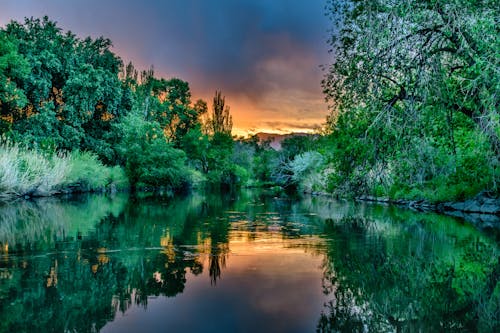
{"x":241,"y":262}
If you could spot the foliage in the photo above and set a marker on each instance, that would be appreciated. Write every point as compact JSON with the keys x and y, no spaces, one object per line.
{"x":13,"y":69}
{"x":220,"y":121}
{"x":266,"y":167}
{"x":25,"y":172}
{"x":88,"y":173}
{"x":307,"y":171}
{"x":148,"y":158}
{"x":221,"y":170}
{"x":413,"y":89}
{"x":196,"y":145}
{"x":72,"y":93}
{"x":63,"y":94}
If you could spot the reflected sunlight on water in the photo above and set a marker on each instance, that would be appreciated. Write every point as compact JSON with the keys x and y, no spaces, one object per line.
{"x":245,"y":262}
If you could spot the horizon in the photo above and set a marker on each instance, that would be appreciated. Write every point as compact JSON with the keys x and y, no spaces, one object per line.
{"x":264,"y":56}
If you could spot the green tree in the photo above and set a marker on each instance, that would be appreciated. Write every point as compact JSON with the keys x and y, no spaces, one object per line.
{"x":169,"y":103}
{"x":73,"y":92}
{"x":148,"y":158}
{"x":196,"y":145}
{"x":13,"y":70}
{"x":408,"y":82}
{"x":402,"y":57}
{"x":220,"y":121}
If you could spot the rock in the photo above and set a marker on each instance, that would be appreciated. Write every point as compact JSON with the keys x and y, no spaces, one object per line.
{"x":454,"y":206}
{"x":472,"y":206}
{"x":487,"y":208}
{"x":483,"y":203}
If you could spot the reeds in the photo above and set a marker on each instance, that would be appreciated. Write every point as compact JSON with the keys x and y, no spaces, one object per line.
{"x":26,"y":172}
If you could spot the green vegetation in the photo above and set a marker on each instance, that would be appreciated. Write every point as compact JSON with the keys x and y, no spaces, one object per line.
{"x":26,"y":172}
{"x":414,"y":94}
{"x":414,"y":112}
{"x":86,"y":117}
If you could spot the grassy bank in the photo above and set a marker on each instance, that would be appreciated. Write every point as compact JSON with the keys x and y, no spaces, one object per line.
{"x":27,"y":172}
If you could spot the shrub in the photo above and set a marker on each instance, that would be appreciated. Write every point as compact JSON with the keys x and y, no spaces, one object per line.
{"x":25,"y":172}
{"x":149,"y":160}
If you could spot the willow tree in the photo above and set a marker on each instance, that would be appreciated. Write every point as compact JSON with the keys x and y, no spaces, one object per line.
{"x":407,"y":72}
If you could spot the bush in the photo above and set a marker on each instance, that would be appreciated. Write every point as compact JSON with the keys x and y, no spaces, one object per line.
{"x":307,"y":171}
{"x":86,"y":172}
{"x":25,"y":172}
{"x":149,"y":160}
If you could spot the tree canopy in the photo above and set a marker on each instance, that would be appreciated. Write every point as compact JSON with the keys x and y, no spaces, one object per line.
{"x":415,"y":82}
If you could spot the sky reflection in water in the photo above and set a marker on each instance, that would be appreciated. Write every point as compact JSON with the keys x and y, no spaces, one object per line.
{"x":235,"y":262}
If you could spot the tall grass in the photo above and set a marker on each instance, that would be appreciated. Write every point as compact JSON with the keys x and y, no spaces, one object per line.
{"x":25,"y":172}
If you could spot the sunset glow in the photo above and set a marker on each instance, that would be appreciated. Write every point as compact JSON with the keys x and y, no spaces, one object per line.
{"x":264,"y":56}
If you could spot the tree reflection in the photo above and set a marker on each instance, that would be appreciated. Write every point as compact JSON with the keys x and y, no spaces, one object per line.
{"x":217,"y":261}
{"x":382,"y":272}
{"x":408,"y":278}
{"x":104,"y":265}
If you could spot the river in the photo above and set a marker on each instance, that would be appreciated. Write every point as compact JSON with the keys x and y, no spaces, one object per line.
{"x":241,"y":261}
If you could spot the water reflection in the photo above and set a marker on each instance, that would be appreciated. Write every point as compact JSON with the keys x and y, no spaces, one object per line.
{"x":393,"y":270}
{"x":240,"y":262}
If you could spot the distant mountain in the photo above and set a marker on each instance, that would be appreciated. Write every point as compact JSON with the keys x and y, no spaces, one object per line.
{"x":276,"y":139}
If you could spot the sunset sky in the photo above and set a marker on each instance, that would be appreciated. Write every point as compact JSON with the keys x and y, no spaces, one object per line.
{"x":264,"y":55}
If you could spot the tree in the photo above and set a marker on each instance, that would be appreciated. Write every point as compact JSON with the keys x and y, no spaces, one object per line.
{"x":196,"y":145}
{"x":72,"y":92}
{"x":183,"y":116}
{"x":220,"y":121}
{"x":13,"y":70}
{"x":147,"y":157}
{"x":413,"y":90}
{"x":398,"y":58}
{"x":168,"y":102}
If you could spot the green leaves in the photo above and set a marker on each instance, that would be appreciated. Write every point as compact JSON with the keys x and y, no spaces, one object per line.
{"x":149,"y":160}
{"x":13,"y":69}
{"x":76,"y":79}
{"x":407,"y":78}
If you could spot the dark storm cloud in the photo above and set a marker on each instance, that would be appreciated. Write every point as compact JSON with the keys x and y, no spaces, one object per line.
{"x":252,"y":48}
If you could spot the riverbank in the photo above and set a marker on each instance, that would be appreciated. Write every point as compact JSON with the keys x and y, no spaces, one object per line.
{"x":26,"y":173}
{"x":482,"y":210}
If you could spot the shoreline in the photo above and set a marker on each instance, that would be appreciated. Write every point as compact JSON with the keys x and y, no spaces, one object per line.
{"x":483,"y":210}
